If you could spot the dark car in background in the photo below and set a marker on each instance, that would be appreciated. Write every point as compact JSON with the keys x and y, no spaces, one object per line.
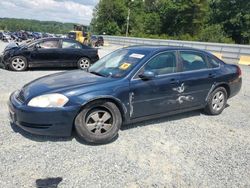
{"x":1,"y":35}
{"x":48,"y":52}
{"x":129,"y":85}
{"x":97,"y":41}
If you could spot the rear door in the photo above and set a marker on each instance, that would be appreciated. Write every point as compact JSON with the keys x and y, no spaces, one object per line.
{"x":71,"y":52}
{"x":196,"y":79}
{"x":46,"y":53}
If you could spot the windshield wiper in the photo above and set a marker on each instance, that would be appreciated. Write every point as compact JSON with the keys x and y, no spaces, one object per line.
{"x":97,"y":73}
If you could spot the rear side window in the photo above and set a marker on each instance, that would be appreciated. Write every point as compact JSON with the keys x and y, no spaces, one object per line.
{"x":193,"y":61}
{"x":49,"y":44}
{"x":71,"y":44}
{"x":163,"y":63}
{"x":213,"y":62}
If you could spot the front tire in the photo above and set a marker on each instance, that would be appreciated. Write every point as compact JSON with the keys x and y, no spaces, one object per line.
{"x":84,"y":63}
{"x":217,"y":101}
{"x":18,"y":63}
{"x":98,"y":122}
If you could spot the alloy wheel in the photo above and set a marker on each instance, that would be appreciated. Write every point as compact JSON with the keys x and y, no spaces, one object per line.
{"x":84,"y":63}
{"x":18,"y":64}
{"x":99,"y":122}
{"x":218,"y":101}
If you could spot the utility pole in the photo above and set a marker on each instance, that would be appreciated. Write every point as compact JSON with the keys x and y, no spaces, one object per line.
{"x":128,"y":17}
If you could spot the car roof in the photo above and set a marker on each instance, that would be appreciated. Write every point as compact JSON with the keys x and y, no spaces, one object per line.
{"x":57,"y":38}
{"x":157,"y":48}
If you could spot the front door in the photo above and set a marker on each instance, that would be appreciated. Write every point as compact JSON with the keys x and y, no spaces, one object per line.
{"x":156,"y":95}
{"x":46,"y":54}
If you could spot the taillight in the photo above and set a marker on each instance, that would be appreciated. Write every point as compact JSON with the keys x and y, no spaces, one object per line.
{"x":239,"y":71}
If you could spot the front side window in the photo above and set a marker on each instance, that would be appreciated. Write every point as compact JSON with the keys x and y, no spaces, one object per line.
{"x":164,"y":63}
{"x":49,"y":44}
{"x":193,"y":61}
{"x":70,"y":44}
{"x":119,"y":63}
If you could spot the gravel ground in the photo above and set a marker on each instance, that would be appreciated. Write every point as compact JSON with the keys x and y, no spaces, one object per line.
{"x":186,"y":150}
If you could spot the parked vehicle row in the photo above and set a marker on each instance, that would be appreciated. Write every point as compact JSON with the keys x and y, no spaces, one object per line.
{"x":19,"y":36}
{"x":97,"y":41}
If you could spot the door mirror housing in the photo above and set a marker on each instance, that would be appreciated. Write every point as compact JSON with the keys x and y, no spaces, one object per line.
{"x":147,"y":75}
{"x":37,"y":46}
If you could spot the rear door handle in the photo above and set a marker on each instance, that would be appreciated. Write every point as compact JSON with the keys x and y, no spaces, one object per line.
{"x":174,"y":81}
{"x":211,"y":75}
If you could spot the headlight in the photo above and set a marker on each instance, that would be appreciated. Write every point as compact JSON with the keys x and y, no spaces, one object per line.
{"x":49,"y":101}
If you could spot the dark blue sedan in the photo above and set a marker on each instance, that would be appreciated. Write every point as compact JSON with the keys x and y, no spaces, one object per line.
{"x":131,"y":84}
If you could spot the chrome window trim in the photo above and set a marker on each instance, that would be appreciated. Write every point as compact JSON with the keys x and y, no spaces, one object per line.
{"x":182,"y":72}
{"x":212,"y":57}
{"x":175,"y":51}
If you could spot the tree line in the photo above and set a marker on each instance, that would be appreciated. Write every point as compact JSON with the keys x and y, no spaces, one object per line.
{"x":12,"y":24}
{"x":200,"y":20}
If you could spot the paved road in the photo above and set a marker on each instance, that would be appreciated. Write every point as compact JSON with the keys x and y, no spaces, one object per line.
{"x":186,"y":150}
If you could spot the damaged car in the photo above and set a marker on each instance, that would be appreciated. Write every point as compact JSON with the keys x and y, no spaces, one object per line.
{"x":48,"y":52}
{"x":129,"y":85}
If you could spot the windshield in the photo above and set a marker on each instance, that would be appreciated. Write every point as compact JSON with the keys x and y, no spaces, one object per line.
{"x":29,"y":43}
{"x":119,"y":63}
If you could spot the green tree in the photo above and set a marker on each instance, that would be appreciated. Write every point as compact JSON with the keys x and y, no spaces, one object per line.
{"x":234,"y":16}
{"x":182,"y":16}
{"x":12,"y":24}
{"x":203,"y":20}
{"x":109,"y":14}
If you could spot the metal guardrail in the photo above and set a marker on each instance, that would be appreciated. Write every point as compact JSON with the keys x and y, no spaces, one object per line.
{"x":231,"y":53}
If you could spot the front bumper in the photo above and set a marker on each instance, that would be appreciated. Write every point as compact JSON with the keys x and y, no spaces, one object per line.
{"x":42,"y":121}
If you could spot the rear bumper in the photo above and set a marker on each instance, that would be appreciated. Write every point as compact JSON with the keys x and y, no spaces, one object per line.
{"x":235,"y":87}
{"x":95,"y":59}
{"x":42,"y":121}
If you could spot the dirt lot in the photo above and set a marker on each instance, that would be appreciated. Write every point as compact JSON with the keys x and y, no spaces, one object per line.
{"x":186,"y":150}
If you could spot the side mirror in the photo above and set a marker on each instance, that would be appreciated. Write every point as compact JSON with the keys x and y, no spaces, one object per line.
{"x":37,"y":46}
{"x":147,"y":75}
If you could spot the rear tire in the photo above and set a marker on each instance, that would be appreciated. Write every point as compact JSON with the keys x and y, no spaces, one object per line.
{"x":83,"y":63}
{"x":18,"y":63}
{"x":98,"y":122}
{"x":216,"y":101}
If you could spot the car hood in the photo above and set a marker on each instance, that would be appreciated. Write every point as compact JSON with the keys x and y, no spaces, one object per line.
{"x":61,"y":82}
{"x":11,"y":46}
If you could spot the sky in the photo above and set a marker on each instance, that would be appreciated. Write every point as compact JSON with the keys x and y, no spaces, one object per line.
{"x":76,"y":11}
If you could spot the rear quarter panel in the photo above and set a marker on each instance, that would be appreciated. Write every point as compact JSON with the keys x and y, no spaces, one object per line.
{"x":230,"y":76}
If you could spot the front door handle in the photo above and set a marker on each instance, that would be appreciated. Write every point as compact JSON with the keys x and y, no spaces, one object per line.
{"x":211,"y":75}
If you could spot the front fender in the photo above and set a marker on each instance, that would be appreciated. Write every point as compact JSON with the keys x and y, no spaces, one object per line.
{"x":120,"y":99}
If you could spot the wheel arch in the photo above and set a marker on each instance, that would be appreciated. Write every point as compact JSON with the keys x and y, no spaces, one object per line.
{"x":216,"y":85}
{"x":226,"y":86}
{"x":84,"y":56}
{"x":114,"y":100}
